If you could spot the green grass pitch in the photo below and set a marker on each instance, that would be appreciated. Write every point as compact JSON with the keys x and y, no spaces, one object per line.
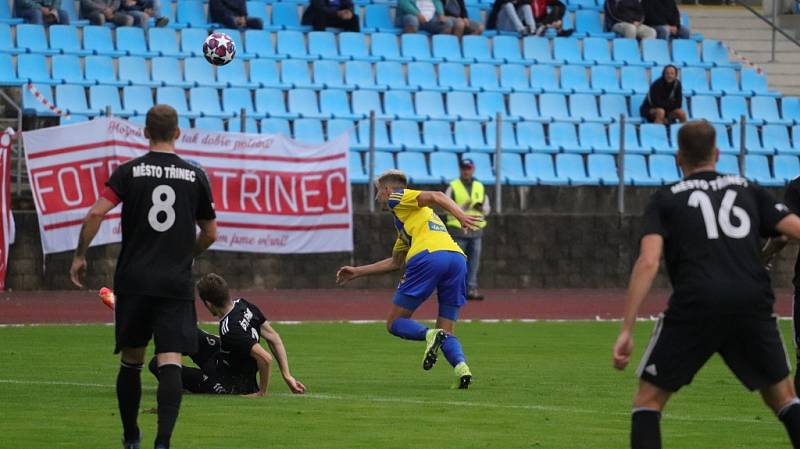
{"x":536,"y":385}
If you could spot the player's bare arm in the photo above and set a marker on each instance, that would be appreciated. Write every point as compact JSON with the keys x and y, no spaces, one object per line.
{"x":432,"y":198}
{"x":394,"y":263}
{"x":91,"y":224}
{"x":278,"y":350}
{"x":206,"y":237}
{"x":264,"y":361}
{"x":771,"y":249}
{"x":642,"y":276}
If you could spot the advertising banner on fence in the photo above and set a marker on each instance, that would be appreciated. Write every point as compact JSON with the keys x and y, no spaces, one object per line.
{"x":272,"y":194}
{"x":6,"y":219}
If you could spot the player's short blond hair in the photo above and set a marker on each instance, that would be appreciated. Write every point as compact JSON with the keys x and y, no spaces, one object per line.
{"x":393,"y":178}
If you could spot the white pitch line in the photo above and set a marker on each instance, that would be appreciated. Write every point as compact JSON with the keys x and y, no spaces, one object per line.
{"x":411,"y":401}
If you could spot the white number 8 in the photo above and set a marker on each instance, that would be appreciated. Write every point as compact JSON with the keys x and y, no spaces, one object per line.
{"x":162,"y":205}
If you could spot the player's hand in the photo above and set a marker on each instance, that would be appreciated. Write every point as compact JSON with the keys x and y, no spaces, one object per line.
{"x":469,"y":222}
{"x":295,"y":385}
{"x":623,"y":349}
{"x":78,"y":270}
{"x":257,"y":394}
{"x":346,"y":274}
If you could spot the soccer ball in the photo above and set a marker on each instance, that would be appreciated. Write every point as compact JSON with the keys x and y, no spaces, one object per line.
{"x":219,"y":49}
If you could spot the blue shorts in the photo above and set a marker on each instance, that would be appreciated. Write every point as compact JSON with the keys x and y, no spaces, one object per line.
{"x":443,"y":271}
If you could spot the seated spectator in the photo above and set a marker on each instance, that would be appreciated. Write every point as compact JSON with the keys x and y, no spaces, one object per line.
{"x":663,"y":15}
{"x":509,"y":15}
{"x":461,"y":22}
{"x":143,"y":10}
{"x":233,"y":14}
{"x":41,"y":12}
{"x":425,"y":15}
{"x":321,"y":14}
{"x":663,"y":102}
{"x":626,"y":18}
{"x":97,"y":12}
{"x":550,"y":14}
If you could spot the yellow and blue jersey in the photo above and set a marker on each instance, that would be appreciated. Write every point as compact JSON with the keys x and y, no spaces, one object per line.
{"x":418,"y":228}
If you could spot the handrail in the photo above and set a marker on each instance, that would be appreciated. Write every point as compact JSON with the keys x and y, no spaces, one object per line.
{"x":771,"y":23}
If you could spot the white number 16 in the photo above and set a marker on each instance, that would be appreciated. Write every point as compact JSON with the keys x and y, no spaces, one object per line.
{"x":700,"y":199}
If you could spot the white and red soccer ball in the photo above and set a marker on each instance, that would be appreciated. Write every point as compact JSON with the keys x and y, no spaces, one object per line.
{"x":219,"y":48}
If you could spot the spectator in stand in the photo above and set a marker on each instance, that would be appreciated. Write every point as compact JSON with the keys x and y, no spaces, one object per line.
{"x":664,"y":100}
{"x":550,"y":14}
{"x":626,"y":18}
{"x":425,"y":15}
{"x":321,"y":14}
{"x":461,"y":22}
{"x":233,"y":14}
{"x":143,"y":10}
{"x":663,"y":15}
{"x":98,"y":12}
{"x":514,"y":16}
{"x":41,"y":12}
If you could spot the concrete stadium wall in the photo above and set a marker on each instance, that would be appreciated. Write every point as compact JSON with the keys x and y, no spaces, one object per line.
{"x":565,"y":238}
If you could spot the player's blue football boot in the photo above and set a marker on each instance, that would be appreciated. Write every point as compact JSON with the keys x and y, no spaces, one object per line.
{"x":434,"y":339}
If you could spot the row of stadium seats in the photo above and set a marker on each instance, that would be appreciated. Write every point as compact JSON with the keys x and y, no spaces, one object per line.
{"x":132,"y":41}
{"x":569,"y":169}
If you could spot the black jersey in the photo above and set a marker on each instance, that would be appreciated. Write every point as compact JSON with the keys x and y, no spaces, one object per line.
{"x":712,"y":226}
{"x":162,"y":197}
{"x":239,"y":331}
{"x":792,"y":200}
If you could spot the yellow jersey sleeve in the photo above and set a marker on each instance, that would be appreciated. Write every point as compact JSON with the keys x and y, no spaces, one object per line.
{"x":403,"y":203}
{"x":400,"y":246}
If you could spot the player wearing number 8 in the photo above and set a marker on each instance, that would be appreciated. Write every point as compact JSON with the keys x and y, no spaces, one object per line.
{"x":709,"y":226}
{"x":164,"y":198}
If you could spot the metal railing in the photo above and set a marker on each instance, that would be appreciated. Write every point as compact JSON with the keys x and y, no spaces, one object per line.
{"x":772,"y":23}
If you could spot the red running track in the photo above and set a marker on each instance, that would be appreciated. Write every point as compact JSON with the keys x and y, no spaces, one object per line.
{"x":347,"y":304}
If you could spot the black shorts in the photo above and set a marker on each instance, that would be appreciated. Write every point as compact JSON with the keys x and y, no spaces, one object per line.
{"x":751,"y":346}
{"x":173,"y":323}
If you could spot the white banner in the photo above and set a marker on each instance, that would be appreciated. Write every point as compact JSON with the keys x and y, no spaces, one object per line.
{"x":272,"y":194}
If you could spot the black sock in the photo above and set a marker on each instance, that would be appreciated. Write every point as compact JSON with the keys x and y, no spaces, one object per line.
{"x":790,"y":416}
{"x":153,"y":366}
{"x":129,"y":393}
{"x":169,"y":394}
{"x":645,"y":429}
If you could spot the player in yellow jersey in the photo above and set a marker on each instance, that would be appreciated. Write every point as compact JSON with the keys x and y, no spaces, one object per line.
{"x":433,"y":261}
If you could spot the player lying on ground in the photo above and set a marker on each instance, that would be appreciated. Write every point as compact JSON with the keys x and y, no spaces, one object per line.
{"x":433,"y":261}
{"x":228,"y":364}
{"x":708,"y":226}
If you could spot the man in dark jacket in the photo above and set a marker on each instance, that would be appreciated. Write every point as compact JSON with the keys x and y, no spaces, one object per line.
{"x":665,"y":98}
{"x":331,"y":13}
{"x":626,"y":18}
{"x":41,"y":12}
{"x":100,"y":11}
{"x":233,"y":14}
{"x":663,"y":15}
{"x":462,"y":24}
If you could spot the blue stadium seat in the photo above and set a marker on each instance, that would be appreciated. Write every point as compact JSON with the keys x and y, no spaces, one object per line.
{"x":723,"y":79}
{"x":584,"y":107}
{"x":439,"y":136}
{"x":469,"y":135}
{"x":235,"y":99}
{"x":506,"y":49}
{"x":604,"y":168}
{"x":695,"y":82}
{"x":338,"y":127}
{"x":234,"y":74}
{"x":377,"y":18}
{"x":589,"y":23}
{"x":631,"y":138}
{"x":322,"y":44}
{"x":429,"y":105}
{"x":391,"y":75}
{"x":175,"y":97}
{"x":131,"y":40}
{"x":74,"y":20}
{"x":728,"y":164}
{"x":292,"y":44}
{"x":776,"y":138}
{"x":31,"y":106}
{"x":563,"y":136}
{"x":537,"y":49}
{"x":264,"y":72}
{"x":5,"y":15}
{"x":415,"y":47}
{"x":532,"y":135}
{"x":483,"y":166}
{"x":635,"y":171}
{"x":790,"y":107}
{"x":492,"y":103}
{"x":725,"y":142}
{"x":250,"y":126}
{"x":294,"y":72}
{"x":636,"y":102}
{"x":102,"y":97}
{"x":191,"y":13}
{"x":765,"y":110}
{"x":327,"y":75}
{"x":101,"y":70}
{"x":757,"y":169}
{"x":398,"y":104}
{"x":32,"y":68}
{"x":544,"y":79}
{"x":31,"y":38}
{"x":654,"y":138}
{"x":358,"y":75}
{"x":364,"y":101}
{"x":275,"y":126}
{"x":612,"y":106}
{"x":385,"y":48}
{"x":382,"y":142}
{"x":753,"y":142}
{"x":593,"y":137}
{"x":7,"y":43}
{"x":733,"y":108}
{"x":574,"y":79}
{"x":715,"y":52}
{"x":353,"y":46}
{"x":258,"y":44}
{"x":192,"y":40}
{"x":656,"y":51}
{"x":446,"y":48}
{"x":566,"y":51}
{"x":663,"y":167}
{"x":673,"y":136}
{"x":444,"y":165}
{"x":626,"y":52}
{"x":484,"y":78}
{"x":605,"y":80}
{"x":205,"y":100}
{"x":571,"y":166}
{"x":67,"y":70}
{"x":303,"y":102}
{"x":64,"y":38}
{"x":597,"y":51}
{"x":539,"y":167}
{"x":461,"y":106}
{"x":72,"y":99}
{"x":285,"y":17}
{"x":8,"y":73}
{"x":406,"y":135}
{"x":554,"y":106}
{"x":200,"y":73}
{"x":755,"y":83}
{"x":705,"y":107}
{"x":508,"y":137}
{"x":584,"y":4}
{"x":514,"y":78}
{"x":635,"y":79}
{"x":168,"y":72}
{"x":413,"y":164}
{"x":308,"y":130}
{"x":523,"y":106}
{"x":686,"y":54}
{"x":258,"y":9}
{"x":137,"y":100}
{"x":164,"y":42}
{"x":787,"y":167}
{"x":511,"y":170}
{"x":422,"y":76}
{"x":476,"y":49}
{"x":333,"y":103}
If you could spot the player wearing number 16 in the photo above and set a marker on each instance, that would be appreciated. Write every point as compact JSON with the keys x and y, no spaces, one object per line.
{"x":709,"y":227}
{"x":164,"y":198}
